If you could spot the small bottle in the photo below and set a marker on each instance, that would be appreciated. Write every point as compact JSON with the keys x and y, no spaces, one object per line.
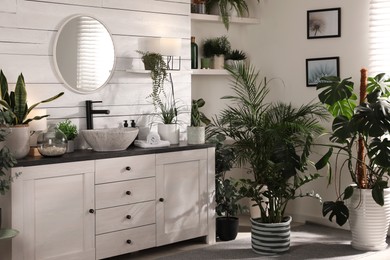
{"x":125,"y":124}
{"x":194,"y":54}
{"x":132,"y":123}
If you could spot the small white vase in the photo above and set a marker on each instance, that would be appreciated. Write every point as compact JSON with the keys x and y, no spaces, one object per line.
{"x":18,"y":140}
{"x":169,"y":132}
{"x":70,"y":146}
{"x":195,"y":134}
{"x":369,"y":222}
{"x":219,"y":62}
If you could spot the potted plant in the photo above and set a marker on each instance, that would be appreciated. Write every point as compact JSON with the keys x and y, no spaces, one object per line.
{"x":226,"y":7}
{"x":235,"y":56}
{"x":7,"y":161}
{"x":15,"y":111}
{"x":196,"y":132}
{"x":164,"y":103}
{"x":217,"y":48}
{"x":226,"y":190}
{"x":70,"y":131}
{"x":274,"y":140}
{"x":360,"y":136}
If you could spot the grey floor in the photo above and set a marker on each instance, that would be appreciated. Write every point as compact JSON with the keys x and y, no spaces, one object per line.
{"x":308,"y":242}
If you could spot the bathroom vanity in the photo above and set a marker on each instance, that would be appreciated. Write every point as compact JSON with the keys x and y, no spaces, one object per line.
{"x":94,"y":205}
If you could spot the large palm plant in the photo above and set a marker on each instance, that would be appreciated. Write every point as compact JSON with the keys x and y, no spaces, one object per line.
{"x":274,"y":139}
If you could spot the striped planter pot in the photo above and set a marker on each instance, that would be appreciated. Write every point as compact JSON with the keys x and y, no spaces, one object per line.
{"x":369,"y":222}
{"x":270,"y":238}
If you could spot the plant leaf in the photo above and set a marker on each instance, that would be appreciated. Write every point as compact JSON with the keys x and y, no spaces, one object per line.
{"x":336,"y":209}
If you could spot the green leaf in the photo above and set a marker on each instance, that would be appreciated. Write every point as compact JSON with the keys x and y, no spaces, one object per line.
{"x":379,"y":152}
{"x":377,"y":195}
{"x":20,"y":109}
{"x":336,"y":209}
{"x":348,"y":192}
{"x":324,"y":160}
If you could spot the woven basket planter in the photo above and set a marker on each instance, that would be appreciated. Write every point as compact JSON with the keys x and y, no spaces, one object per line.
{"x":270,"y":238}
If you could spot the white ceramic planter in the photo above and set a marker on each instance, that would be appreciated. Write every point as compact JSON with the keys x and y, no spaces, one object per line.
{"x":270,"y":238}
{"x":219,"y":62}
{"x":169,"y":132}
{"x":195,"y":134}
{"x":369,"y":222}
{"x":18,"y":140}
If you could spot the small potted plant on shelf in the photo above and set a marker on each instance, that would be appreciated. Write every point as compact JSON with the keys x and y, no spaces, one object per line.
{"x":196,"y":132}
{"x":360,"y":131}
{"x":164,"y":102}
{"x":227,"y":193}
{"x":226,"y":8}
{"x":235,"y":56}
{"x":15,"y":111}
{"x":217,"y":48}
{"x":70,"y":131}
{"x":274,"y":140}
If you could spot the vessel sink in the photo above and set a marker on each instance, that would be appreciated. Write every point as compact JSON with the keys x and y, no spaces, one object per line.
{"x":110,"y":139}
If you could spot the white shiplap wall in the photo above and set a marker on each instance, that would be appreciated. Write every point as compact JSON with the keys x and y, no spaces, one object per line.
{"x":27,"y":32}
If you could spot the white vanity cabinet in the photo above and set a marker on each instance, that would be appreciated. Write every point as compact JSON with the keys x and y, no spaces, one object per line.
{"x":52,"y":207}
{"x":99,"y":208}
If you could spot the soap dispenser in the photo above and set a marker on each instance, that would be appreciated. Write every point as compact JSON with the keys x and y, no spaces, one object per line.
{"x":132,"y":123}
{"x":125,"y":124}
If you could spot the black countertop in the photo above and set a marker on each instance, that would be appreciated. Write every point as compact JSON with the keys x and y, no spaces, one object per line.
{"x":84,"y":155}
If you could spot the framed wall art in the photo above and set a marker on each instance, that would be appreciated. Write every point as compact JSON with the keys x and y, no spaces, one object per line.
{"x":324,"y":23}
{"x":320,"y":67}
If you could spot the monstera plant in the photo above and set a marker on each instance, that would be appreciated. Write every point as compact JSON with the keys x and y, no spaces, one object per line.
{"x":360,"y":139}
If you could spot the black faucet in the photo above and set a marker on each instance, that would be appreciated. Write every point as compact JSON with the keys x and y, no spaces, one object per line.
{"x":90,"y":111}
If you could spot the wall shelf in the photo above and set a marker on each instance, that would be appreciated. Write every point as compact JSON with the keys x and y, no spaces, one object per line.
{"x":217,"y":18}
{"x":142,"y":71}
{"x":210,"y":72}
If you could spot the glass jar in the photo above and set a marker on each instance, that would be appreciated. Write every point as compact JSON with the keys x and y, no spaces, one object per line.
{"x":52,"y":143}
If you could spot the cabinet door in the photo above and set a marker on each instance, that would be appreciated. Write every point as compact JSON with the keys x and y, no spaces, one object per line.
{"x":181,"y":184}
{"x":51,"y":206}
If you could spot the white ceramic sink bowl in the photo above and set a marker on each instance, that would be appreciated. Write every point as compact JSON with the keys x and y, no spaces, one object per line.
{"x":110,"y":139}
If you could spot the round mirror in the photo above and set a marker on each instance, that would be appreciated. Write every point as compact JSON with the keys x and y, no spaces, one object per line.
{"x":84,"y":54}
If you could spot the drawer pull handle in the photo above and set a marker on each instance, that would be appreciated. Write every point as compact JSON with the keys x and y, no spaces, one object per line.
{"x":128,"y":192}
{"x":91,"y":211}
{"x":128,"y":241}
{"x":128,"y":216}
{"x":161,"y":199}
{"x":128,"y":168}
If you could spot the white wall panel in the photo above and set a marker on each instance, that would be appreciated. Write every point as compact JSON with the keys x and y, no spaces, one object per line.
{"x":27,"y":32}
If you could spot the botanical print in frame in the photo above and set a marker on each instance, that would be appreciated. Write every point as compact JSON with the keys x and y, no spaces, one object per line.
{"x":321,"y":67}
{"x":324,"y":23}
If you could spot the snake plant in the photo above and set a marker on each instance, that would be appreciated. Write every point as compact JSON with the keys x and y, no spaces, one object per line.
{"x":14,"y":103}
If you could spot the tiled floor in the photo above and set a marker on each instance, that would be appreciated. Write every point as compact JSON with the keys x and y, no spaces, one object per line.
{"x":155,"y":253}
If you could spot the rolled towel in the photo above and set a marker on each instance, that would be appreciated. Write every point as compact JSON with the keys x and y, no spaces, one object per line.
{"x":153,"y":138}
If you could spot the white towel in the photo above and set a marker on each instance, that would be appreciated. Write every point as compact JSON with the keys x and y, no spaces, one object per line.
{"x":153,"y":138}
{"x":144,"y":144}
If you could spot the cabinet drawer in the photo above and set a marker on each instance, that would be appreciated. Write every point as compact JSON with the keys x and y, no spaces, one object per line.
{"x":125,"y":168}
{"x":125,"y":241}
{"x":124,"y":217}
{"x":125,"y":192}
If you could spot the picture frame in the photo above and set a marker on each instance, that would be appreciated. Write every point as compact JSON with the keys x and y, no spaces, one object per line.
{"x":316,"y":68}
{"x":324,"y":23}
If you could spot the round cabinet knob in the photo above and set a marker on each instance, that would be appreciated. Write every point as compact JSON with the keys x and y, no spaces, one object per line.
{"x":128,"y":168}
{"x":161,"y":199}
{"x":128,"y":192}
{"x":128,"y":216}
{"x":128,"y":241}
{"x":92,"y":211}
